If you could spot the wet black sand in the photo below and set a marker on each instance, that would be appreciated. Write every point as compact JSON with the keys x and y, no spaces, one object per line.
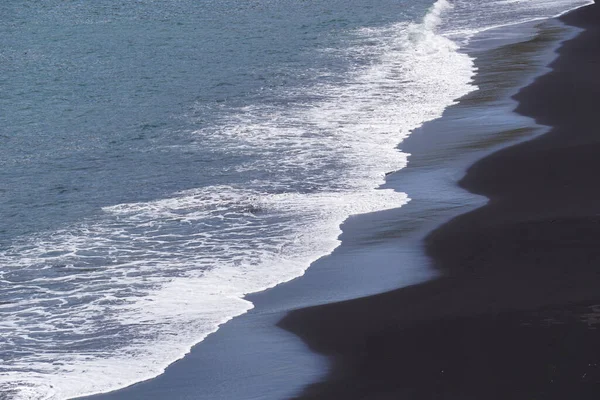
{"x":514,"y":315}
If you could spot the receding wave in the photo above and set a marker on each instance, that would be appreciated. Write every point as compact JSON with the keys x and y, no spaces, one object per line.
{"x":114,"y":299}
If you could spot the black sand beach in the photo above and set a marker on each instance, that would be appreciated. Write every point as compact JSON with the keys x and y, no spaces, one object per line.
{"x":515,"y":313}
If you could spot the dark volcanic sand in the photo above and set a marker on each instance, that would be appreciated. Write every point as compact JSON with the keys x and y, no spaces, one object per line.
{"x":516,"y":313}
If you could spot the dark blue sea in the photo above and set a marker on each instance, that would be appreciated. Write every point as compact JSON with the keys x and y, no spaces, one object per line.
{"x":161,"y":160}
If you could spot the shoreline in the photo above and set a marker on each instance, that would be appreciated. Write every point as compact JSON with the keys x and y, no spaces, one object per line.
{"x":253,"y":342}
{"x":513,"y":314}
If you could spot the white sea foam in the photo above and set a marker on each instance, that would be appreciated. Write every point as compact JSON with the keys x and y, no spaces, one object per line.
{"x":114,"y":299}
{"x":137,"y":289}
{"x":470,"y":17}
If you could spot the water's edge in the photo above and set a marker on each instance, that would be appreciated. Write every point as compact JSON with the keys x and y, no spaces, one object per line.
{"x":320,"y":285}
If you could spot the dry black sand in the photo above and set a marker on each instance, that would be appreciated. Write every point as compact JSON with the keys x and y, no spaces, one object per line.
{"x":516,"y":311}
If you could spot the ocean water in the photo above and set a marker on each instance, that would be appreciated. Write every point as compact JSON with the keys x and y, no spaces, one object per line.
{"x":159,"y":161}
